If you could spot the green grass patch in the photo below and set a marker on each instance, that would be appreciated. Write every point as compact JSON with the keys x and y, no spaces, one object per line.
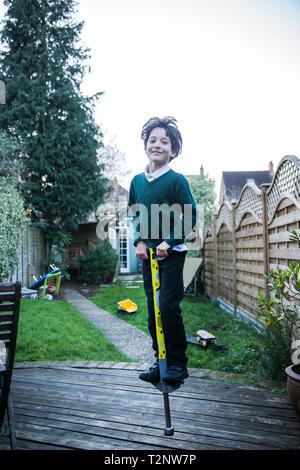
{"x":242,"y":352}
{"x":56,"y":331}
{"x":243,"y":344}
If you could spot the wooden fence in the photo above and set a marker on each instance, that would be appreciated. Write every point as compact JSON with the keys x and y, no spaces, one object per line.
{"x":248,"y":238}
{"x":31,"y":256}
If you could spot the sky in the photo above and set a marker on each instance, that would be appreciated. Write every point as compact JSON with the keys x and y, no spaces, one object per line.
{"x":227,"y":70}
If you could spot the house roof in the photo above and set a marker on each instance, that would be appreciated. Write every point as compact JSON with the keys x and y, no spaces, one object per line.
{"x":117,"y":191}
{"x":234,"y":181}
{"x":112,"y":198}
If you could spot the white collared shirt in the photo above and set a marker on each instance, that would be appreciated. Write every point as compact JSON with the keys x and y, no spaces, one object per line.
{"x":152,"y":176}
{"x":161,"y":171}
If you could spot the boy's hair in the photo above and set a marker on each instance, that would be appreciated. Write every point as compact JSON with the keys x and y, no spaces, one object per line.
{"x":169,"y":124}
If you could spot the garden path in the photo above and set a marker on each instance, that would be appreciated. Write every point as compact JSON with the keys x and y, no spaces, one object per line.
{"x":135,"y":344}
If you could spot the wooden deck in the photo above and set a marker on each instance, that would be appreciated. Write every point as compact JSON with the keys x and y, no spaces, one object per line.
{"x":110,"y":408}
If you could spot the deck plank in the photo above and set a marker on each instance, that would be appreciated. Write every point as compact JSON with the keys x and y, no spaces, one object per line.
{"x":94,"y":408}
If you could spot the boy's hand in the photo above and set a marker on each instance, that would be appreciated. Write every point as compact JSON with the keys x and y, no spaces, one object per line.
{"x":141,"y":250}
{"x":161,"y":250}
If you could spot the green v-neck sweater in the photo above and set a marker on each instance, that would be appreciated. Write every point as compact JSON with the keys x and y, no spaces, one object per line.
{"x":162,"y":209}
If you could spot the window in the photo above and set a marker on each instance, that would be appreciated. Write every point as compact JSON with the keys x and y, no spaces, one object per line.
{"x":123,"y":244}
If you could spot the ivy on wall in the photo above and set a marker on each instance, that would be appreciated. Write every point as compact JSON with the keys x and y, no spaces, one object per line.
{"x":13,"y":221}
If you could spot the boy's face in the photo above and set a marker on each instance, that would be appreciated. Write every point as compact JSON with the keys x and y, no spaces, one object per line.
{"x":158,"y":148}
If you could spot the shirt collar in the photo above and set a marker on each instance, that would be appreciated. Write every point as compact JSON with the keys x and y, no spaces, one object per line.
{"x":161,"y":171}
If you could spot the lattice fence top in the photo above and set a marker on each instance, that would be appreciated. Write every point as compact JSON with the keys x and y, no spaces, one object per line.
{"x":285,"y":184}
{"x":250,"y":200}
{"x":224,"y":216}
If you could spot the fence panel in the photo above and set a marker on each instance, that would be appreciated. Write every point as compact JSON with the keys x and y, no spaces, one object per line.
{"x":225,"y":264}
{"x":30,"y":257}
{"x":209,"y":262}
{"x":249,"y":263}
{"x":250,"y":237}
{"x":281,"y":250}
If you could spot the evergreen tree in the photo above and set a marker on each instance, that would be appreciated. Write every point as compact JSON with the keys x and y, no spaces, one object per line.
{"x":11,"y":153}
{"x":203,"y":189}
{"x":43,"y":64}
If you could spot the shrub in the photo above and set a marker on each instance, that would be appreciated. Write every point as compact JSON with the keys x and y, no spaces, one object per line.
{"x":277,"y":350}
{"x":12,"y":225}
{"x":98,"y":265}
{"x":280,"y":313}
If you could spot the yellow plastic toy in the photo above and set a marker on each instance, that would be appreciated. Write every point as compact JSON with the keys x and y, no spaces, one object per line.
{"x":127,"y":306}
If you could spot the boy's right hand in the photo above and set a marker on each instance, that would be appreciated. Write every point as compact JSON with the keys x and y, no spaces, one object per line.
{"x":141,"y":250}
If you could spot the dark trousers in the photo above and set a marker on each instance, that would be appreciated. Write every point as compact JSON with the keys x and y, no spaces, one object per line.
{"x":171,"y":294}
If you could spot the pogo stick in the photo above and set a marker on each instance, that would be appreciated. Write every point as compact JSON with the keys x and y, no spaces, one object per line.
{"x":162,"y":357}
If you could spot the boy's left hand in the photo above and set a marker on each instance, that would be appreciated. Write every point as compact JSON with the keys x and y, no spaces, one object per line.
{"x":161,"y":250}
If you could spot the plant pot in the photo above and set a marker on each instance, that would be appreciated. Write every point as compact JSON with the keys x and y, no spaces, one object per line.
{"x":293,"y":387}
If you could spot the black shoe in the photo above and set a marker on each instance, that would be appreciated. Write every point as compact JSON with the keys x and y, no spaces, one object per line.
{"x":176,"y":373}
{"x":152,"y":375}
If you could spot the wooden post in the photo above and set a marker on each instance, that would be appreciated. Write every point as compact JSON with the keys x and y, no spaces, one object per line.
{"x":215,"y":256}
{"x":30,"y":248}
{"x":234,"y":258}
{"x":264,"y":188}
{"x":2,"y":92}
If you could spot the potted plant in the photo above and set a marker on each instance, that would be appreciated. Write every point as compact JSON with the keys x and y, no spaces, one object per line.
{"x":281,"y":312}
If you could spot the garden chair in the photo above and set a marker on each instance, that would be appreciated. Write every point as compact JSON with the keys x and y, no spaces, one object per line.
{"x":10,"y":295}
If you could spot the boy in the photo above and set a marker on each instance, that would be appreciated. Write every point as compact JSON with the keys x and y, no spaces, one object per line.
{"x":159,"y":187}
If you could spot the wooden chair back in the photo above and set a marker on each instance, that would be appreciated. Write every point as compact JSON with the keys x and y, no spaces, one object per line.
{"x":10,"y":296}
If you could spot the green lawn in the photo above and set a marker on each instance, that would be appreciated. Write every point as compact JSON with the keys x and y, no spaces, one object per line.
{"x":243,"y":343}
{"x":56,"y":331}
